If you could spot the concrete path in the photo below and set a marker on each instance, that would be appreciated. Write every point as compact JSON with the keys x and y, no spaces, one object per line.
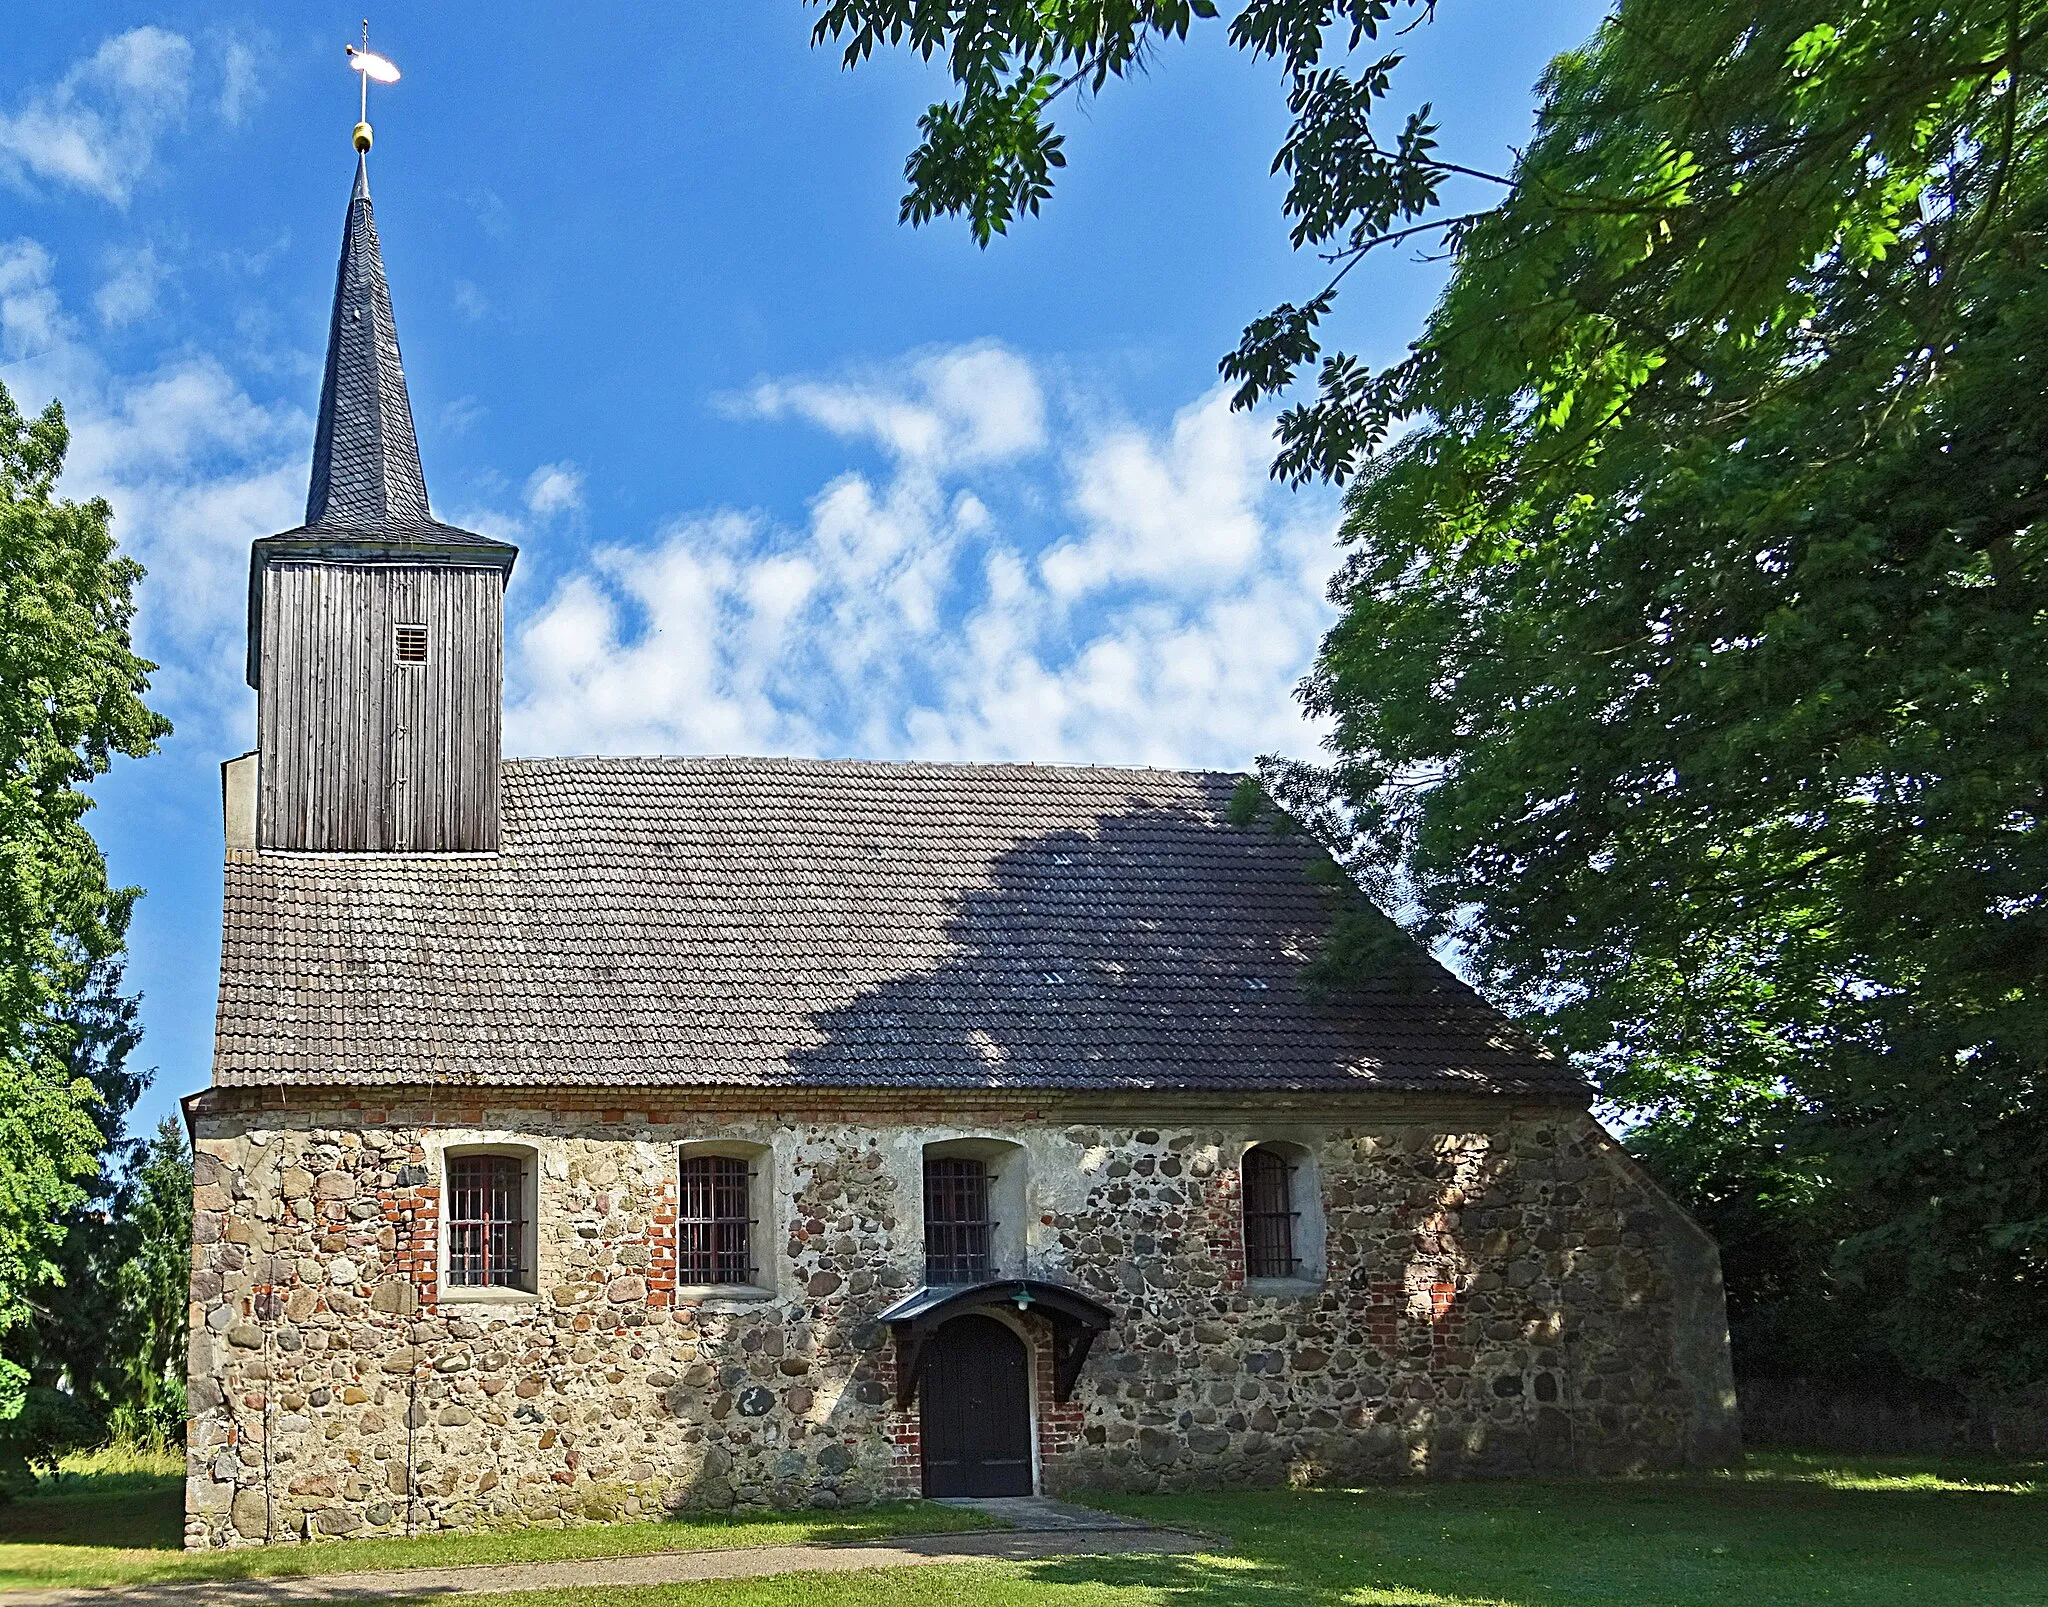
{"x":1040,"y":1514}
{"x":1045,"y":1529}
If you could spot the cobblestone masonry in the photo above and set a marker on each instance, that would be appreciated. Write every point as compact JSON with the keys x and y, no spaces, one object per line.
{"x":1501,"y":1290}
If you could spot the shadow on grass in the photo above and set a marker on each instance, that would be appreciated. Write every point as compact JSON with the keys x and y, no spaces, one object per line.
{"x":140,"y":1510}
{"x":1786,"y":1530}
{"x":146,"y":1511}
{"x":128,"y":1529}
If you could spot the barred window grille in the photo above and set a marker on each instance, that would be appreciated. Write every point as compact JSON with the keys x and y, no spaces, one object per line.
{"x":410,"y":644}
{"x":486,"y":1221}
{"x":713,"y":1225}
{"x":1269,"y":1215}
{"x":956,"y":1224}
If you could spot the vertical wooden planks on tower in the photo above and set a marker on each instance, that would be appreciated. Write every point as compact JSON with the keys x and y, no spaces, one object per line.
{"x":361,"y":752}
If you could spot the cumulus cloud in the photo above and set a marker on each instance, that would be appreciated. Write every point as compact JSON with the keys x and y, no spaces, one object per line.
{"x":924,"y":610}
{"x":997,"y":573}
{"x":130,"y":289}
{"x":470,"y":302}
{"x":1178,"y":513}
{"x":554,"y":488}
{"x":951,"y":409}
{"x":96,"y":129}
{"x":195,"y":470}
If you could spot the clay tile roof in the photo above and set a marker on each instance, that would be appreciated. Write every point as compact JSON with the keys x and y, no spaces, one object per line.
{"x":792,"y":923}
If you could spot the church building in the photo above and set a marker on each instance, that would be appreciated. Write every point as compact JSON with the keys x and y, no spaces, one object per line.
{"x":600,"y":1137}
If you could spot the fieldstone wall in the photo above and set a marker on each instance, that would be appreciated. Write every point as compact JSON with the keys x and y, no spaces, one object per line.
{"x":1499,"y":1290}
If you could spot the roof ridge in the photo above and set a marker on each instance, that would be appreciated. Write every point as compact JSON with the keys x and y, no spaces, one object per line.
{"x":803,"y":762}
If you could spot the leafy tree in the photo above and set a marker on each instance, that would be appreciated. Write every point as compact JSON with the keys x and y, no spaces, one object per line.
{"x":1692,"y":672}
{"x":80,"y":1323}
{"x":39,"y":1427}
{"x":1692,"y":659}
{"x":71,"y":691}
{"x":156,"y":1288}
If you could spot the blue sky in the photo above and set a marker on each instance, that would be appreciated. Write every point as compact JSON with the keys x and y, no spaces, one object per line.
{"x":787,"y":477}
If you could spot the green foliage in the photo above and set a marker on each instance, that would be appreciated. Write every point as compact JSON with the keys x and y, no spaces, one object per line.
{"x":1364,"y":946}
{"x":990,"y":154}
{"x":39,"y":1427}
{"x":1693,"y":664}
{"x":1247,"y":802}
{"x":113,"y":1327}
{"x":70,"y":698}
{"x":156,"y":1285}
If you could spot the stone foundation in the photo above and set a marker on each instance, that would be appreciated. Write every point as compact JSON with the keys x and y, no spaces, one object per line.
{"x":1497,"y":1290}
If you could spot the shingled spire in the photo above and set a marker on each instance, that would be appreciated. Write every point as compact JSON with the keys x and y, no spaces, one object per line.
{"x":366,"y":459}
{"x":376,"y":632}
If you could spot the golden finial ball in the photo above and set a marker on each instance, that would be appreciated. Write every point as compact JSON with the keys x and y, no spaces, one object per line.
{"x":362,"y":136}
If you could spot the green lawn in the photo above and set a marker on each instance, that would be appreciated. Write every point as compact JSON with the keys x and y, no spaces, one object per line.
{"x":58,"y":1536}
{"x":1787,"y":1529}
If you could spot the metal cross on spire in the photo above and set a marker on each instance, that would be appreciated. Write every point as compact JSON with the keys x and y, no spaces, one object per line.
{"x":371,"y":65}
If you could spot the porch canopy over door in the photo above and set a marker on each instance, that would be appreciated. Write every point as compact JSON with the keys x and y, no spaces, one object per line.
{"x":1076,"y":1318}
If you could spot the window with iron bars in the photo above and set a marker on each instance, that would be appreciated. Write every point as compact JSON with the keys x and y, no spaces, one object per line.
{"x":714,"y":1222}
{"x":487,"y":1221}
{"x":956,"y":1220}
{"x":1269,"y":1215}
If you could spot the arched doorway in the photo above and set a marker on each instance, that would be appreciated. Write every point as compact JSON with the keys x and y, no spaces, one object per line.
{"x":974,"y":1407}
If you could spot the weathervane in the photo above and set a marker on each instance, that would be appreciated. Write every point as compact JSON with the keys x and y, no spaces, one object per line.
{"x":370,"y":65}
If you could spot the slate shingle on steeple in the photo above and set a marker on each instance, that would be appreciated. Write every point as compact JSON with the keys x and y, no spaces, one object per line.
{"x":366,"y":458}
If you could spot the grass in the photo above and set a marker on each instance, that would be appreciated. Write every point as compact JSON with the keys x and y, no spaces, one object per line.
{"x":56,"y":1536}
{"x":1785,"y":1529}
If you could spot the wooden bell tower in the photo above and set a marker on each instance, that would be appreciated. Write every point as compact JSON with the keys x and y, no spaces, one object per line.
{"x":376,"y":633}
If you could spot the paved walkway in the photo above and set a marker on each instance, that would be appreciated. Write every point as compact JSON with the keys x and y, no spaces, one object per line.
{"x":1040,"y":1514}
{"x":1043,"y":1529}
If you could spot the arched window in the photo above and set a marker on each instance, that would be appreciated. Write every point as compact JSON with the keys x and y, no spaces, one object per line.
{"x":487,"y":1237}
{"x":1269,"y":1215}
{"x":714,"y":1221}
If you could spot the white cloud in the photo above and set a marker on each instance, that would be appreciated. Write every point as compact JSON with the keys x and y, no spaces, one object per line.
{"x":1179,"y":513}
{"x":130,"y":288}
{"x":1012,"y":579}
{"x":470,"y":302}
{"x":240,"y":90}
{"x":194,"y":469}
{"x":916,"y":616}
{"x":97,"y":127}
{"x":491,"y":214}
{"x":32,"y":320}
{"x":462,"y":415}
{"x":554,"y":488}
{"x":974,"y":404}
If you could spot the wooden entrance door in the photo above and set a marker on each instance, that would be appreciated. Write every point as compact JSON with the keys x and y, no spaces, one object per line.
{"x":975,"y":1408}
